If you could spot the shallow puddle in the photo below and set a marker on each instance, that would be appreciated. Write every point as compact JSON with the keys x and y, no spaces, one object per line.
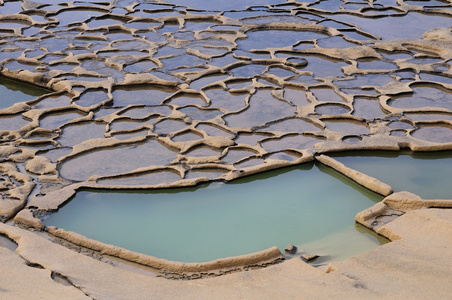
{"x":298,"y":205}
{"x":115,"y":160}
{"x":12,"y":92}
{"x":423,"y":96}
{"x":142,"y":95}
{"x":424,"y":174}
{"x":264,"y":108}
{"x":7,"y":243}
{"x":263,"y":39}
{"x":390,"y":28}
{"x":14,"y":122}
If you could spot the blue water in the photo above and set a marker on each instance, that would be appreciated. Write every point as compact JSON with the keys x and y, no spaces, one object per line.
{"x":296,"y":205}
{"x":425,"y":174}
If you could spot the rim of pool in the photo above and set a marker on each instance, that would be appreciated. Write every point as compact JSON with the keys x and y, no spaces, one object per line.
{"x":187,"y":230}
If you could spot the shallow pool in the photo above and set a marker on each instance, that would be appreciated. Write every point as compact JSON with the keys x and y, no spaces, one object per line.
{"x":302,"y":205}
{"x":12,"y":92}
{"x":426,"y":174}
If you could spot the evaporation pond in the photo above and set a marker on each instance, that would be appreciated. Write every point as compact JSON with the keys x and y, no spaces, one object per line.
{"x":12,"y":92}
{"x":298,"y":205}
{"x":428,"y":175}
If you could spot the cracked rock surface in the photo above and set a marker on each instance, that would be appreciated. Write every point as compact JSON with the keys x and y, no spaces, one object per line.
{"x":147,"y":94}
{"x":175,"y":89}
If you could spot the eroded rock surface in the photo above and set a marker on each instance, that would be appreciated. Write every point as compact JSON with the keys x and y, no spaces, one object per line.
{"x":165,"y":86}
{"x":160,"y":93}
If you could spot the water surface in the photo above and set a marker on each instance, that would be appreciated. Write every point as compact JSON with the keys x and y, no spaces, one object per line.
{"x":425,"y":174}
{"x":297,"y":205}
{"x":12,"y":92}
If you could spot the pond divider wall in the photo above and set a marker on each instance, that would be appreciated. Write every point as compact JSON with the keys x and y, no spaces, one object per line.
{"x":54,"y":200}
{"x":215,"y":267}
{"x":367,"y":181}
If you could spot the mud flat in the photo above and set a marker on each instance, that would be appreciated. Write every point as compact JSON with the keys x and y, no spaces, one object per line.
{"x":168,"y":94}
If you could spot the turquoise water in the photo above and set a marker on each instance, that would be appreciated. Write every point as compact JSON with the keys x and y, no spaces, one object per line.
{"x":298,"y":205}
{"x":12,"y":92}
{"x":428,"y":175}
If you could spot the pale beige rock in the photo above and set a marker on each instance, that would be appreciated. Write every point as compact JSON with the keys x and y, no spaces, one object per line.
{"x":53,"y":200}
{"x":419,"y":262}
{"x":40,"y":165}
{"x":26,"y":218}
{"x":309,"y":257}
{"x":407,"y":201}
{"x":20,"y":281}
{"x":262,"y":258}
{"x":371,"y":212}
{"x":418,"y":259}
{"x":9,"y":207}
{"x":135,"y":79}
{"x":363,"y":179}
{"x":443,"y":34}
{"x":15,"y":198}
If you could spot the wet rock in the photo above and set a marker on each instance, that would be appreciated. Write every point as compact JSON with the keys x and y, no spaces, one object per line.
{"x":290,"y":249}
{"x":309,"y":257}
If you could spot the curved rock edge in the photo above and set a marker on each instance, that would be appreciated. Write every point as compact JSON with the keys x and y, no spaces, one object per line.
{"x":165,"y":267}
{"x":394,"y":206}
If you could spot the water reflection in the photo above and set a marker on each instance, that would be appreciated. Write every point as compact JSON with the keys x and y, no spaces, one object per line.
{"x":12,"y":92}
{"x":424,"y":174}
{"x":398,"y":27}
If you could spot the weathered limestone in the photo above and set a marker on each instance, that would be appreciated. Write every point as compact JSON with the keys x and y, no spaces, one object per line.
{"x":393,"y":206}
{"x":26,"y":218}
{"x":363,"y":179}
{"x":418,"y":261}
{"x":31,"y":282}
{"x":199,"y":81}
{"x":262,"y":258}
{"x":290,"y":249}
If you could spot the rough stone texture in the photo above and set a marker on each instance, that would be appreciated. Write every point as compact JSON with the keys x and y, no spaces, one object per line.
{"x":393,"y":206}
{"x":40,"y":165}
{"x":292,"y":76}
{"x":262,"y":258}
{"x":301,"y":92}
{"x":290,"y":249}
{"x":309,"y":257}
{"x":363,"y":179}
{"x":415,"y":267}
{"x":26,"y":218}
{"x":23,"y":281}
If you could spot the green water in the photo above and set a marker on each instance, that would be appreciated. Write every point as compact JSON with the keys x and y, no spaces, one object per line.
{"x":12,"y":92}
{"x":428,"y":175}
{"x":298,"y":205}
